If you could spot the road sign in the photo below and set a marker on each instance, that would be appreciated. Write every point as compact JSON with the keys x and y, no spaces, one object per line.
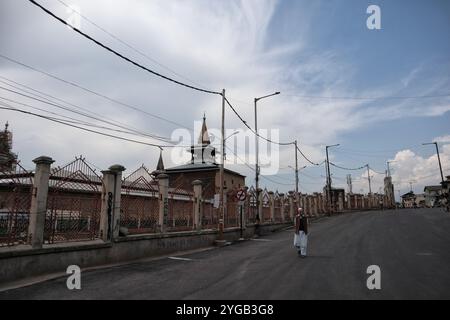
{"x":241,"y":195}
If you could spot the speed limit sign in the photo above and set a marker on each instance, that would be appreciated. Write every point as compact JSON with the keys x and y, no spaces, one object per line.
{"x":241,"y":195}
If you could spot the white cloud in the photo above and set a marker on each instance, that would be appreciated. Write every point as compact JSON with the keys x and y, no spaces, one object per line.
{"x":421,"y":171}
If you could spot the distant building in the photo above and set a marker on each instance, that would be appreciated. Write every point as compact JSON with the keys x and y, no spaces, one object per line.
{"x":412,"y":200}
{"x":409,"y":200}
{"x":432,"y":195}
{"x":8,"y":159}
{"x":203,"y":167}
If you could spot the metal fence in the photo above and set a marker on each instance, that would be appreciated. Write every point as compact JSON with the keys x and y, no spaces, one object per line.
{"x":15,"y":201}
{"x":139,"y":202}
{"x":180,"y":210}
{"x":74,"y":203}
{"x":210,"y":219}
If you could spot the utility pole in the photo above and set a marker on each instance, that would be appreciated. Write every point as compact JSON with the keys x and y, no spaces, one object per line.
{"x":368,"y":177}
{"x":296,"y":171}
{"x":388,"y":168}
{"x":257,"y":153}
{"x":221,"y":202}
{"x":439,"y":158}
{"x":257,"y":162}
{"x":329,"y":178}
{"x":349,"y":184}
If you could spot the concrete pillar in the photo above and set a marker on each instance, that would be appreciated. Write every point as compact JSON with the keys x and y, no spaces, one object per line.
{"x":349,"y":202}
{"x":316,"y":205}
{"x":282,"y":206}
{"x":272,"y":206}
{"x":107,"y":205}
{"x":117,"y":172}
{"x":39,"y":201}
{"x":198,"y":208}
{"x":341,"y":202}
{"x":260,"y":205}
{"x":163,"y":181}
{"x":291,"y":205}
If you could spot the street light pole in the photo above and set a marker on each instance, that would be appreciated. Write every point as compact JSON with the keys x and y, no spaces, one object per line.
{"x":439,"y":158}
{"x":296,"y":172}
{"x":388,"y":168}
{"x":257,"y":153}
{"x":368,"y":177}
{"x":221,"y":202}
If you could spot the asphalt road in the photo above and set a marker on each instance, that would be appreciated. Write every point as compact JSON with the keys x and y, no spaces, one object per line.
{"x":411,"y":247}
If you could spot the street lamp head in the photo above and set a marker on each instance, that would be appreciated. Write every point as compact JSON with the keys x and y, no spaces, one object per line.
{"x":270,"y":95}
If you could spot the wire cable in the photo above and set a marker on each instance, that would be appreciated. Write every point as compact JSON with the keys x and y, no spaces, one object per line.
{"x":349,"y":169}
{"x":121,"y":55}
{"x":127,"y":44}
{"x":93,"y":92}
{"x":64,"y":122}
{"x":97,"y":117}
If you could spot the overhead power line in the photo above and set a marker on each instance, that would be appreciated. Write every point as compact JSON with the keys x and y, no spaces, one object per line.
{"x":86,"y":113}
{"x":93,"y":92}
{"x":71,"y":124}
{"x":264,"y":138}
{"x":252,"y":130}
{"x":307,"y":159}
{"x":75,"y":126}
{"x":127,"y":44}
{"x":349,"y":169}
{"x":71,"y":119}
{"x":121,"y":55}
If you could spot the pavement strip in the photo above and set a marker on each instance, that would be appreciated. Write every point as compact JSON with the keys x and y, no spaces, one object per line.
{"x":263,"y":240}
{"x":178,"y":258}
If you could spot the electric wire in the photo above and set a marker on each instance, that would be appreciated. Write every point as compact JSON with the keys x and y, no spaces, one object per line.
{"x":127,"y":44}
{"x":88,"y":113}
{"x":121,"y":55}
{"x":123,"y":104}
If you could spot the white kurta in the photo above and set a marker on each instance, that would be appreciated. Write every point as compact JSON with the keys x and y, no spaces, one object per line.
{"x":301,"y":242}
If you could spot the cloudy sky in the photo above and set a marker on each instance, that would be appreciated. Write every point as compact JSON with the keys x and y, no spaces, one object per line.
{"x":379,"y":93}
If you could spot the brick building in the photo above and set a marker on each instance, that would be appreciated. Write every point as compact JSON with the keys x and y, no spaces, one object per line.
{"x":203,"y":167}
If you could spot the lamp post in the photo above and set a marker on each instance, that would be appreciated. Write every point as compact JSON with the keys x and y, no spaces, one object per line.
{"x":257,"y":152}
{"x":439,"y":158}
{"x":222,"y":163}
{"x":329,"y":178}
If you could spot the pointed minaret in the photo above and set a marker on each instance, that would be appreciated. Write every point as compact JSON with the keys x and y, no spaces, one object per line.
{"x":160,"y":166}
{"x":203,"y":139}
{"x":203,"y":152}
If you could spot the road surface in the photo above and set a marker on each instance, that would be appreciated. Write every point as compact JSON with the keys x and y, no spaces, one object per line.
{"x":411,"y":247}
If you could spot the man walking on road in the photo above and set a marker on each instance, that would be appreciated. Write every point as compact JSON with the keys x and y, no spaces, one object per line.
{"x":301,"y":233}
